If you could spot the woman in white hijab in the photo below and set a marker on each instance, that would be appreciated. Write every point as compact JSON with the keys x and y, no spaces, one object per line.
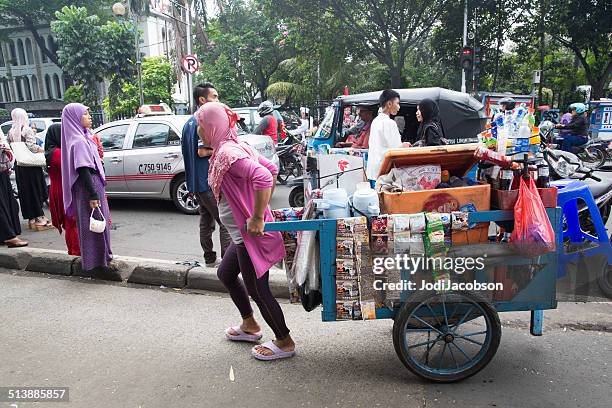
{"x":30,"y":180}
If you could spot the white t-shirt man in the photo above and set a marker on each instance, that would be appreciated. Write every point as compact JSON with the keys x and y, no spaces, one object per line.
{"x":384,"y":135}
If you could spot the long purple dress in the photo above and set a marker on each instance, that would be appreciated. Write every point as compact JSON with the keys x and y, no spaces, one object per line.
{"x":95,"y":248}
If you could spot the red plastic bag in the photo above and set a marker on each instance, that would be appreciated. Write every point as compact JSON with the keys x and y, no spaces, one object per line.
{"x":533,"y":234}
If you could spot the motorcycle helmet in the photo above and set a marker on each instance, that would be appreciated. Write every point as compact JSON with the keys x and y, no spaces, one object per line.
{"x":580,"y":107}
{"x":265,"y":108}
{"x":508,"y":102}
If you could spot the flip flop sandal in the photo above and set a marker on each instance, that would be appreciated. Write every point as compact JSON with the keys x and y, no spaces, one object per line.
{"x":242,"y":336}
{"x":277,"y":352}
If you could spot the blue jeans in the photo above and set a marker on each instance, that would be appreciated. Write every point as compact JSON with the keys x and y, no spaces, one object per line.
{"x":572,"y":140}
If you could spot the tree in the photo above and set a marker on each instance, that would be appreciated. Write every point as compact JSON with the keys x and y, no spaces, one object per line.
{"x":389,"y":29}
{"x":250,"y":40}
{"x":585,"y":28}
{"x":90,"y":51}
{"x":75,"y":28}
{"x":33,"y":13}
{"x":158,"y":77}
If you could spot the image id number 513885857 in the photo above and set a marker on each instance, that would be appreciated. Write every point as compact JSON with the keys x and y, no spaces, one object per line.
{"x":32,"y":394}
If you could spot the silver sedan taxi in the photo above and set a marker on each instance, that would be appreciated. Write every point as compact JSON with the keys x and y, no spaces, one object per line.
{"x":143,"y":158}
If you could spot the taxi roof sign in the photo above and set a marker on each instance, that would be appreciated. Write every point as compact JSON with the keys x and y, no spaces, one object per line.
{"x":154,"y":110}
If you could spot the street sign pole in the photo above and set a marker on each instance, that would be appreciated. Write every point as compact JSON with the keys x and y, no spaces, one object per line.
{"x":189,"y":75}
{"x":465,"y":18}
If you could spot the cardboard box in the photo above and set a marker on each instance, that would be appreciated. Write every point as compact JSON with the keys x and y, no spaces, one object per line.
{"x":457,"y":159}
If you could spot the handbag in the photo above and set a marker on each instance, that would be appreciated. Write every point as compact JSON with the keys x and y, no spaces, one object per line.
{"x":97,"y":226}
{"x":6,"y":159}
{"x":24,"y":157}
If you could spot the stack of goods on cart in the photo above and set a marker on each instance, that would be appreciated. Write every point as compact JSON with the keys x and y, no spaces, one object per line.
{"x":435,"y":179}
{"x":290,"y":242}
{"x":509,"y":148}
{"x":512,"y":133}
{"x":367,"y":280}
{"x":352,"y":260}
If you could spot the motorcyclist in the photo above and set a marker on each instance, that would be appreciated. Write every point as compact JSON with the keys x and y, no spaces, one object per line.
{"x":578,"y":126}
{"x":505,"y":105}
{"x":268,"y":125}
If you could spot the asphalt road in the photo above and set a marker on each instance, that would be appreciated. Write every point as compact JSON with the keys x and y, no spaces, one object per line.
{"x":149,"y":229}
{"x":118,"y":346}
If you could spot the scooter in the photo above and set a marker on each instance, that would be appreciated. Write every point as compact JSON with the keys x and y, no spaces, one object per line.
{"x":290,"y":163}
{"x":593,"y":153}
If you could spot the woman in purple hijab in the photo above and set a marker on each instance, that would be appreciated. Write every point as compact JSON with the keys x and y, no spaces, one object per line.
{"x":83,"y":183}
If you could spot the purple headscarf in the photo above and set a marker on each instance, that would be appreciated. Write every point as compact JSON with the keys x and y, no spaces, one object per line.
{"x":78,"y":150}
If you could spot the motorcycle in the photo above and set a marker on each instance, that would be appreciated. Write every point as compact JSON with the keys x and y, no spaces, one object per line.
{"x":593,"y":153}
{"x":289,"y":152}
{"x":566,"y":165}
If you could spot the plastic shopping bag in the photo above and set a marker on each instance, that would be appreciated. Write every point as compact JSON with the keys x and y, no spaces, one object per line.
{"x":533,"y":234}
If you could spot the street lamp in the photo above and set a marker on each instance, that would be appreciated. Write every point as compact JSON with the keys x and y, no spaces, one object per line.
{"x":119,"y":10}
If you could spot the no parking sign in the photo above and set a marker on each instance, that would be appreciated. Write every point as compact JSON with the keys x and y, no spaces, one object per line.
{"x":190,"y":64}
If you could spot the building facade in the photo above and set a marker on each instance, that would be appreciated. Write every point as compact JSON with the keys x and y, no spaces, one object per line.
{"x":26,"y":73}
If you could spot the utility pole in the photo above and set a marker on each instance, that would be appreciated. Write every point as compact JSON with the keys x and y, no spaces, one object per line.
{"x":465,"y":18}
{"x":138,"y":60}
{"x":189,"y":76}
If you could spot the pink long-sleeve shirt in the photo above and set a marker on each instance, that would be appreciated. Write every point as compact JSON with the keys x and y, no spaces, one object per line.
{"x":244,"y":177}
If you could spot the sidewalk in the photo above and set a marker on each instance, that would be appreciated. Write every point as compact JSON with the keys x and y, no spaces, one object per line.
{"x":147,"y":271}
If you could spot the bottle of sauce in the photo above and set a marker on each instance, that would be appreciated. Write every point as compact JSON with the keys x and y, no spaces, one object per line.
{"x":543,"y":180}
{"x":505,"y":180}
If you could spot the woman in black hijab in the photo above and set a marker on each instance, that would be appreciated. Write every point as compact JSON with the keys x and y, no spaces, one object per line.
{"x":53,"y":154}
{"x":430,"y":132}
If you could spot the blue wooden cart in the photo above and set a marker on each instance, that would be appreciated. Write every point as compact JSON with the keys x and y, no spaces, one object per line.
{"x":445,"y":337}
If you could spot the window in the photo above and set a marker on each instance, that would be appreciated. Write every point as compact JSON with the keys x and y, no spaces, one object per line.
{"x":28,"y":90}
{"x":6,"y":127}
{"x":22,"y":59}
{"x":35,"y":94}
{"x":43,"y":56}
{"x":40,"y":125}
{"x":19,"y":89}
{"x":58,"y":86}
{"x":29,"y":54}
{"x":13,"y":53}
{"x":1,"y":57}
{"x":112,"y":138}
{"x":155,"y":135}
{"x":48,"y":86}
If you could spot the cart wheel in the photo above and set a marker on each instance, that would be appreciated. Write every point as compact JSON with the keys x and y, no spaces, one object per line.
{"x":446,"y":337}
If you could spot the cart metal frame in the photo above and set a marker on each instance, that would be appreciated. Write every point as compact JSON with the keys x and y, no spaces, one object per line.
{"x":539,"y":295}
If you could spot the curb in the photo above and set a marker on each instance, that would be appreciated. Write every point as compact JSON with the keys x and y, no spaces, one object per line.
{"x":146,"y":271}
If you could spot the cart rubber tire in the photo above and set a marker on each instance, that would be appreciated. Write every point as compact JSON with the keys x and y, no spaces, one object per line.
{"x":490,"y":344}
{"x":296,"y":197}
{"x":604,"y":279}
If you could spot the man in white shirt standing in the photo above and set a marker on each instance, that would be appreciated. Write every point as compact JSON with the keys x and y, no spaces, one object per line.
{"x":384,"y":134}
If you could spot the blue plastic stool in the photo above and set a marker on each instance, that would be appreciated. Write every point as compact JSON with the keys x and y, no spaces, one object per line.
{"x":568,"y":193}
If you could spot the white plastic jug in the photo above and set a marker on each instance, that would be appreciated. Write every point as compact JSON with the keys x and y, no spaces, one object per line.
{"x":365,"y":200}
{"x":335,"y":203}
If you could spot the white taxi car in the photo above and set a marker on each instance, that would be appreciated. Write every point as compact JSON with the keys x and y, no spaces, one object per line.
{"x":143,"y":158}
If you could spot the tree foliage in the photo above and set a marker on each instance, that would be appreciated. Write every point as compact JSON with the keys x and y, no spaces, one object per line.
{"x":90,"y":51}
{"x":158,"y":78}
{"x":244,"y":37}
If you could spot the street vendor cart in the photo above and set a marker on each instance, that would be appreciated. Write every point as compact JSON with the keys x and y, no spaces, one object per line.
{"x":451,"y":334}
